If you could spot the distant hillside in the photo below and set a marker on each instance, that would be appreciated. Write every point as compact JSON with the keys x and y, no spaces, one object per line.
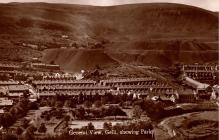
{"x":116,"y":23}
{"x":123,"y":31}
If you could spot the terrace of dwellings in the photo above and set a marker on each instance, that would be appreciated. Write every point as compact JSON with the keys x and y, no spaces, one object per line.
{"x":7,"y":83}
{"x":99,"y":92}
{"x":197,"y":67}
{"x":122,"y":87}
{"x":74,"y":87}
{"x":14,"y":90}
{"x":63,"y":82}
{"x":103,"y":83}
{"x":203,"y":73}
{"x":102,"y":92}
{"x":9,"y":67}
{"x":73,"y":92}
{"x":130,"y":81}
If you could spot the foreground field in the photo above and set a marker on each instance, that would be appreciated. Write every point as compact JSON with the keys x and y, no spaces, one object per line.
{"x":197,"y":125}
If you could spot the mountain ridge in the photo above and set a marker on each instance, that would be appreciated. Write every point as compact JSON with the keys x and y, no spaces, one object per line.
{"x":115,"y":29}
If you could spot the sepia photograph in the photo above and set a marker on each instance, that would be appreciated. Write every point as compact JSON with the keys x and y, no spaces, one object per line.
{"x":109,"y":69}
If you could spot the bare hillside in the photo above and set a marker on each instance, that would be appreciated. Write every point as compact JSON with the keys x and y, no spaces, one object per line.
{"x":152,"y":34}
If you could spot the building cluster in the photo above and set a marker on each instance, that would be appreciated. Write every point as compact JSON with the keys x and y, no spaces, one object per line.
{"x":202,"y":73}
{"x":12,"y":90}
{"x":9,"y":67}
{"x":202,"y":81}
{"x":44,"y":66}
{"x":29,"y":65}
{"x":136,"y":86}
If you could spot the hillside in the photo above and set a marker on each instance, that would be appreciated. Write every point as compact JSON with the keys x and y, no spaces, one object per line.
{"x":77,"y":60}
{"x":153,"y":34}
{"x":128,"y":22}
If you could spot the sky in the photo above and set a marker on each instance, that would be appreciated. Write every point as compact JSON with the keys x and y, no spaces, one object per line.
{"x":212,"y":5}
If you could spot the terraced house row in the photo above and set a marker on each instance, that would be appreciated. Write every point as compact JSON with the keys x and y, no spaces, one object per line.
{"x":202,"y":73}
{"x":135,"y":85}
{"x":138,"y":87}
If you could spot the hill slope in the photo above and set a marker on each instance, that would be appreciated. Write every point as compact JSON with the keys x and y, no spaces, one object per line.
{"x":127,"y":22}
{"x":77,"y":60}
{"x":154,"y":34}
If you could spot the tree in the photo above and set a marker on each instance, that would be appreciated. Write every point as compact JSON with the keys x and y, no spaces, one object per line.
{"x":80,"y":112}
{"x":42,"y":128}
{"x":59,"y":104}
{"x":18,"y":111}
{"x":97,"y":96}
{"x":80,"y":98}
{"x":31,"y":129}
{"x":87,"y":104}
{"x":52,"y":102}
{"x":19,"y":131}
{"x":1,"y":119}
{"x":98,"y":104}
{"x":153,"y":110}
{"x":67,"y":119}
{"x":124,"y":97}
{"x":109,"y":97}
{"x":26,"y":94}
{"x":70,"y":103}
{"x":58,"y":113}
{"x":9,"y":136}
{"x":47,"y":117}
{"x":107,"y":126}
{"x":23,"y":103}
{"x":177,"y":70}
{"x":7,"y":120}
{"x":90,"y":126}
{"x":25,"y":123}
{"x":29,"y":133}
{"x":103,"y":100}
{"x":137,"y":111}
{"x":52,"y":62}
{"x":115,"y":111}
{"x":117,"y":127}
{"x":33,"y":106}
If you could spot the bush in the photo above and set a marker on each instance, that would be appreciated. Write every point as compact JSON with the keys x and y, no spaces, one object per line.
{"x":33,"y":106}
{"x":29,"y":133}
{"x":115,"y":111}
{"x":25,"y":123}
{"x":107,"y":126}
{"x":90,"y":126}
{"x":87,"y":104}
{"x":9,"y":136}
{"x":137,"y":111}
{"x":7,"y":120}
{"x":70,"y":104}
{"x":97,"y":104}
{"x":155,"y":110}
{"x":42,"y":128}
{"x":19,"y":131}
{"x":59,"y":104}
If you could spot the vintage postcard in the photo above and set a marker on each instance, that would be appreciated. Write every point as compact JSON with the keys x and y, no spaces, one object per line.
{"x":109,"y":69}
